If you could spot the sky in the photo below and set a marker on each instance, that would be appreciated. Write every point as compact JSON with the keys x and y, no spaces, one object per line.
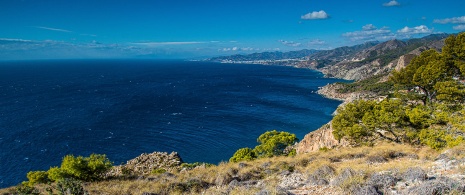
{"x":60,"y":29}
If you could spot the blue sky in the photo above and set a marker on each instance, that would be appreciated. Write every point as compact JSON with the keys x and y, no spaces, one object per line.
{"x":43,"y":29}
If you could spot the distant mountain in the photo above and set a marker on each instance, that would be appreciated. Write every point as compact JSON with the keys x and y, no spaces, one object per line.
{"x":349,"y":62}
{"x":277,"y":55}
{"x":378,"y":59}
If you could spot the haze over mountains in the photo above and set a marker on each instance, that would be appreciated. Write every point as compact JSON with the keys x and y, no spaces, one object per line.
{"x":349,"y":62}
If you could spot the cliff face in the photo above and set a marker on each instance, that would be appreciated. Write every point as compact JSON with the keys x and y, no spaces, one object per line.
{"x":321,"y":138}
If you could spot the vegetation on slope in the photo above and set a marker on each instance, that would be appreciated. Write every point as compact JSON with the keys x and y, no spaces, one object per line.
{"x":426,"y":108}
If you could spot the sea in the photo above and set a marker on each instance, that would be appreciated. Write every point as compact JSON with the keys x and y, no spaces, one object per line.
{"x":122,"y":108}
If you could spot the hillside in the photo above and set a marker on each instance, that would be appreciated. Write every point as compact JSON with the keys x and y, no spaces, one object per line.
{"x":277,"y":55}
{"x":349,"y":62}
{"x":402,"y":134}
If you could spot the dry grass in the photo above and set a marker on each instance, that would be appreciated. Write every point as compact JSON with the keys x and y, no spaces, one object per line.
{"x":266,"y":172}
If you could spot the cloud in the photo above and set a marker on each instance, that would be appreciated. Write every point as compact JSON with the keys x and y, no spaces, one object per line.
{"x":316,"y":42}
{"x":368,"y":27}
{"x":53,"y":29}
{"x":391,"y":3}
{"x":459,"y":27}
{"x":455,"y":20}
{"x":151,"y":44}
{"x":370,"y":32}
{"x":348,"y":21}
{"x":290,"y":43}
{"x":90,"y":35}
{"x":227,"y":49}
{"x":315,"y":15}
{"x":422,"y":29}
{"x":15,"y":40}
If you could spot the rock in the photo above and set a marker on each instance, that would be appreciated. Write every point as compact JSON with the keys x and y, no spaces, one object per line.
{"x":414,"y":174}
{"x":376,"y":159}
{"x":341,"y":178}
{"x":438,"y":186}
{"x":223,"y":179}
{"x":320,"y":138}
{"x":363,"y":190}
{"x":292,"y":181}
{"x":382,"y":181}
{"x":233,"y":184}
{"x":146,"y":163}
{"x":242,"y":165}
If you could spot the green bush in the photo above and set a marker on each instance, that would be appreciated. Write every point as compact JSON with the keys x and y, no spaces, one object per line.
{"x":26,"y":190}
{"x":438,"y":139}
{"x":195,"y":164}
{"x":159,"y":171}
{"x":273,"y":143}
{"x":85,"y":168}
{"x":243,"y":154}
{"x":70,"y":186}
{"x":81,"y":168}
{"x":55,"y":174}
{"x":37,"y":177}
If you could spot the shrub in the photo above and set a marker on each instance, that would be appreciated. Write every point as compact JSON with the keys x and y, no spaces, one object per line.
{"x":196,"y":164}
{"x":273,"y":143}
{"x":86,"y":168}
{"x":26,"y":190}
{"x":159,"y":171}
{"x":70,"y":187}
{"x":243,"y":154}
{"x":55,"y":174}
{"x":37,"y":177}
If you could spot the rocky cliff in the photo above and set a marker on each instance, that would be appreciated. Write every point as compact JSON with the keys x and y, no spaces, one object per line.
{"x":321,"y":138}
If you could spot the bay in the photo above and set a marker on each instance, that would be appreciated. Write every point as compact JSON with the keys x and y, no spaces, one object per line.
{"x":122,"y":108}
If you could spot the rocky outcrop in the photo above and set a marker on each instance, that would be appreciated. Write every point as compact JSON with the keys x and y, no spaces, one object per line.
{"x":146,"y":163}
{"x":321,"y":138}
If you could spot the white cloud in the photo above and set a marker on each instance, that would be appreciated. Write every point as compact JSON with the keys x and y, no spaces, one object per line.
{"x":15,"y":40}
{"x":370,"y":33}
{"x":369,"y":27}
{"x":316,"y":42}
{"x":391,"y":3}
{"x":290,"y":43}
{"x":315,"y":15}
{"x":459,"y":27}
{"x":151,"y":44}
{"x":53,"y":29}
{"x":455,"y":20}
{"x":227,"y":49}
{"x":422,"y":29}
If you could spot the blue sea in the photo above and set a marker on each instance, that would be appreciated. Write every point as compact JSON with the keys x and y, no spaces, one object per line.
{"x":122,"y":108}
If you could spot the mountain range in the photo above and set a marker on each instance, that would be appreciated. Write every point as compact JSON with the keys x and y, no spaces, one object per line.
{"x":349,"y":62}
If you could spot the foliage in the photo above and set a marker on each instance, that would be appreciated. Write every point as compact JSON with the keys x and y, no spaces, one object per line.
{"x":81,"y":168}
{"x":454,"y":52}
{"x":55,"y":174}
{"x":37,"y":177}
{"x":159,"y":171}
{"x":195,"y":164}
{"x":243,"y":154}
{"x":273,"y":143}
{"x":26,"y":190}
{"x":293,"y":152}
{"x":85,"y":168}
{"x":347,"y":121}
{"x":371,"y":84}
{"x":70,"y":186}
{"x":434,"y":76}
{"x":437,"y":126}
